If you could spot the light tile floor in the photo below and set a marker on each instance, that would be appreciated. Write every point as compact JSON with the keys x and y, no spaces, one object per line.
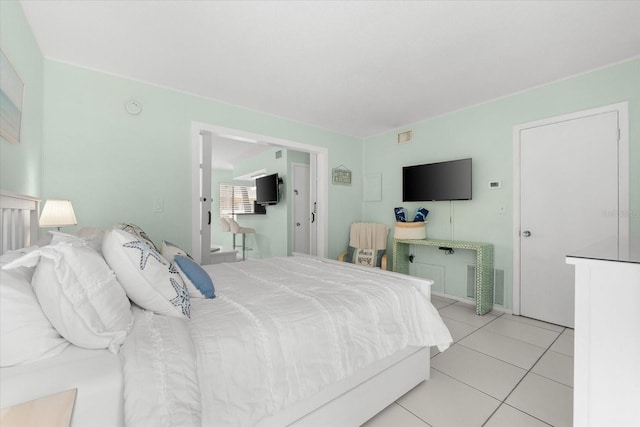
{"x":501,"y":371}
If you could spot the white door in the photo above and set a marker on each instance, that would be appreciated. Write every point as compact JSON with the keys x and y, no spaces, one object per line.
{"x":314,"y":176}
{"x":301,"y":209}
{"x":568,"y":200}
{"x":205,"y":198}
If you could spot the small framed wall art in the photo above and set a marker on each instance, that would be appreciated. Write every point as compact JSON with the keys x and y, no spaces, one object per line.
{"x":341,"y":175}
{"x":11,"y":93}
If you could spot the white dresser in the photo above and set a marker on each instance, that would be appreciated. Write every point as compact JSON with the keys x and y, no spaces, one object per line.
{"x":607,"y":335}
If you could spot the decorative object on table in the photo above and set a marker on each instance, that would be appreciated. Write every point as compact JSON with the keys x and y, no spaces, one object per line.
{"x":401,"y":214}
{"x":421,"y":215}
{"x":11,"y":94}
{"x":57,"y":213}
{"x":341,"y":175}
{"x":410,"y":230}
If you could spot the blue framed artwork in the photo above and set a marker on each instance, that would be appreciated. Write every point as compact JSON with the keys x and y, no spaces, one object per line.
{"x":11,"y":92}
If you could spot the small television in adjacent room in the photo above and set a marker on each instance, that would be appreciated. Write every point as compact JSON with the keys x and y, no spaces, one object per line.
{"x":437,"y":181}
{"x":267,"y":189}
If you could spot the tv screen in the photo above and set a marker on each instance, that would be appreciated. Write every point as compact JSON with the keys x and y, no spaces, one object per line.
{"x":437,"y":181}
{"x":267,"y":190}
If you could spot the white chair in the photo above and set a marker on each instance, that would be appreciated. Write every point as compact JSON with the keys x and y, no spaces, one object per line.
{"x":224,"y":225}
{"x":236,"y":229}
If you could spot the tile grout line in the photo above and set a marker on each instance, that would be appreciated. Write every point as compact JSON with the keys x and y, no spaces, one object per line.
{"x":546,"y":349}
{"x":522,"y":379}
{"x":411,"y":412}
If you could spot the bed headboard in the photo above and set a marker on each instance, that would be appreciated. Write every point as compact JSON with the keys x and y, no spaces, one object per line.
{"x":18,"y":220}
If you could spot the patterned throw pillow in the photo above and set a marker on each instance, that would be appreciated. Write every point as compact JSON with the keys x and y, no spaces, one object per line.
{"x":148,"y":278}
{"x":198,"y":282}
{"x":138,"y":232}
{"x":367,"y":257}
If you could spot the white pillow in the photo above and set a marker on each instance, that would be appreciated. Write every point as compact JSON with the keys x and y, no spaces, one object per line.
{"x":150,"y":281}
{"x":93,"y":237}
{"x":80,"y":295}
{"x":25,"y":332}
{"x":170,"y":250}
{"x":138,"y":232}
{"x":89,"y":236}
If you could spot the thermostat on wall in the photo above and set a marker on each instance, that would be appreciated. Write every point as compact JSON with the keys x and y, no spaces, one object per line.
{"x":495,"y":185}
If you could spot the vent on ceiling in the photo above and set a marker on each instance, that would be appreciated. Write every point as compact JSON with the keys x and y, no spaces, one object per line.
{"x":278,"y":154}
{"x":405,"y":137}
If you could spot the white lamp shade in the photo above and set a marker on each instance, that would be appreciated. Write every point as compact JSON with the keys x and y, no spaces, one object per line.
{"x":57,"y":213}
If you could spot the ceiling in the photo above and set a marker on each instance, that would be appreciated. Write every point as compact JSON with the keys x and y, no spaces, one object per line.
{"x":227,"y":152}
{"x":358,"y":68}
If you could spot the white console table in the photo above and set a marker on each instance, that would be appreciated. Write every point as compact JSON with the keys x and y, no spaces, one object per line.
{"x":607,"y":335}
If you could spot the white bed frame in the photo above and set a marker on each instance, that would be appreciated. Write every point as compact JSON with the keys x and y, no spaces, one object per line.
{"x":350,"y":402}
{"x":18,"y":219}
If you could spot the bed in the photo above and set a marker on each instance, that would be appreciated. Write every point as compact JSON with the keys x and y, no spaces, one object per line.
{"x":289,"y":341}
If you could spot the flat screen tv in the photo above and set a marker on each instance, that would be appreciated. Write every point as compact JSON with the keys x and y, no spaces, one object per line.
{"x":437,"y":181}
{"x":267,"y":189}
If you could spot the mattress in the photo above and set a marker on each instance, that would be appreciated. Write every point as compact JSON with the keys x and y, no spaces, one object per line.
{"x":97,"y":374}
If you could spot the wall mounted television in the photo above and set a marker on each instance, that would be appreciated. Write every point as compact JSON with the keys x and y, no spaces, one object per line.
{"x":267,"y":189}
{"x":437,"y":181}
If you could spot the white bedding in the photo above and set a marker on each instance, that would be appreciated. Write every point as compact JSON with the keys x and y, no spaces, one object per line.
{"x":278,"y":331}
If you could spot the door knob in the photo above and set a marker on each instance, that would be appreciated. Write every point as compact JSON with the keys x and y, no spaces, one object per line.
{"x":526,"y":233}
{"x":298,"y":224}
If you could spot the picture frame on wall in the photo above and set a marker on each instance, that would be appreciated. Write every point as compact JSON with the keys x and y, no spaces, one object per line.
{"x":11,"y":96}
{"x":341,"y":175}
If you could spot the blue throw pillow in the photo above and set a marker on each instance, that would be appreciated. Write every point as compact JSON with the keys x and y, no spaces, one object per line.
{"x":196,"y":274}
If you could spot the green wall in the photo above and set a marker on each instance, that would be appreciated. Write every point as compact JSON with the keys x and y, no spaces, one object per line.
{"x":113,"y":165}
{"x":21,"y":164}
{"x":485,"y":133}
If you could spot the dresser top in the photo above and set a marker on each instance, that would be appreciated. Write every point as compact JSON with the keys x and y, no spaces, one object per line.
{"x":625,"y":250}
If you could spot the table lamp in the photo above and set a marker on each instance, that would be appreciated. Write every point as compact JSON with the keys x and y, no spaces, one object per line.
{"x":57,"y":213}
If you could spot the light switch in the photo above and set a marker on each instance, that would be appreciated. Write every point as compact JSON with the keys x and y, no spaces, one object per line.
{"x":158,"y":205}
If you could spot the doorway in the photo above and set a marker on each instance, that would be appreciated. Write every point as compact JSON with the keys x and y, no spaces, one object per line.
{"x":301,"y":209}
{"x":570,"y":183}
{"x":318,"y":177}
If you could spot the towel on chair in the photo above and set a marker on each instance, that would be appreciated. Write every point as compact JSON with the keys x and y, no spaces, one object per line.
{"x":367,"y":235}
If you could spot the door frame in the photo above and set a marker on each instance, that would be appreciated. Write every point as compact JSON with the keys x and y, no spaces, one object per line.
{"x":319,"y":156}
{"x":622,"y":108}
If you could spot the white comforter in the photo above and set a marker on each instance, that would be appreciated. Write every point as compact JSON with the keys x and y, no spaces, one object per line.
{"x":277,"y":332}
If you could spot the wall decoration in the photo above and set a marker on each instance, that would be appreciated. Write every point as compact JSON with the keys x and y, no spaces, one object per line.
{"x":11,"y":93}
{"x":372,"y":187}
{"x":341,"y":175}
